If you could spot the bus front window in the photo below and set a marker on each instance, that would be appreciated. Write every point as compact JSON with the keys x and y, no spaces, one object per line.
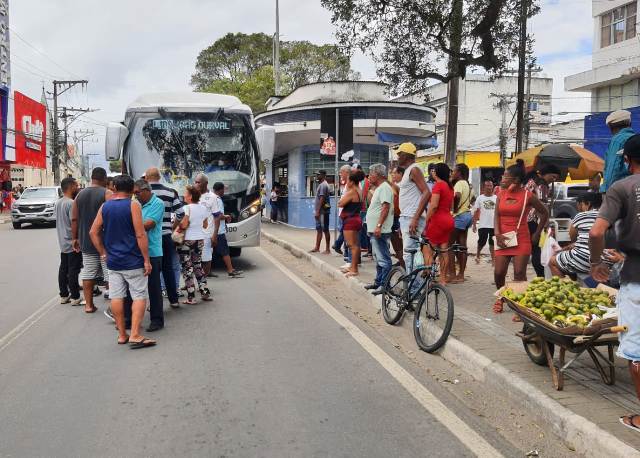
{"x":182,"y":145}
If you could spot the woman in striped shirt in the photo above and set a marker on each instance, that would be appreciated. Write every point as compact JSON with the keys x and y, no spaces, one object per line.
{"x":575,"y":258}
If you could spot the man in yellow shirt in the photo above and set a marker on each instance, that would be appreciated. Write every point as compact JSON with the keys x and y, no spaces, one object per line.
{"x":462,"y":202}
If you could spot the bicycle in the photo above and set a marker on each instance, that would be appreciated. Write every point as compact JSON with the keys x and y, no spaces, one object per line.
{"x":434,"y":300}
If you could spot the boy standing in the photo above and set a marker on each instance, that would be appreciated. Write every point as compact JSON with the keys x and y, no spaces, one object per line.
{"x":70,"y":261}
{"x":219,"y":240}
{"x":483,"y":211}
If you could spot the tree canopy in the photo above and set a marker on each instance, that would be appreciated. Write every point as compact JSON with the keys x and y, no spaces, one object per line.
{"x":410,"y":40}
{"x":241,"y":65}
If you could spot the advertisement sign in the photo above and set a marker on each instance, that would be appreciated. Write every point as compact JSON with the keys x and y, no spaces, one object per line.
{"x":4,"y":105}
{"x":31,"y":131}
{"x":5,"y":69}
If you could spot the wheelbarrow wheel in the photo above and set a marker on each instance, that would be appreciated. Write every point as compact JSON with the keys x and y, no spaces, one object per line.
{"x":534,"y":347}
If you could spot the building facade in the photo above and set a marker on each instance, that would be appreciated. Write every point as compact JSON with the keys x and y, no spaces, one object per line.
{"x":614,"y":79}
{"x":369,"y":123}
{"x":480,"y":118}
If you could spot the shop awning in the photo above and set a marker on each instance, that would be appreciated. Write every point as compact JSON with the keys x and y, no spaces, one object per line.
{"x":420,"y":142}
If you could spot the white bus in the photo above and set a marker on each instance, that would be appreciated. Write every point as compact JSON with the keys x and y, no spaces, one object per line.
{"x":184,"y":134}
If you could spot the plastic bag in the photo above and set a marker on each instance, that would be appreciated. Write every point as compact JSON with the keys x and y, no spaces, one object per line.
{"x":551,"y":247}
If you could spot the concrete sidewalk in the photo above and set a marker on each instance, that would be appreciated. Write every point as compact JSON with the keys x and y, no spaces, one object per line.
{"x":585,"y":413}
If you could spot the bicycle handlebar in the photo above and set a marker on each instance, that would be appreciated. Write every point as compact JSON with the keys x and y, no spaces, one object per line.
{"x":456,"y":247}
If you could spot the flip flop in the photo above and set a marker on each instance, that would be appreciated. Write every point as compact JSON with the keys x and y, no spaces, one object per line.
{"x":93,"y":310}
{"x":125,"y":342}
{"x":189,"y":302}
{"x":144,"y":343}
{"x":630,"y":425}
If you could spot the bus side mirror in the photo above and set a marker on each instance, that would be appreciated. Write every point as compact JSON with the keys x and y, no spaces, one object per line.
{"x":114,"y":141}
{"x":266,"y":138}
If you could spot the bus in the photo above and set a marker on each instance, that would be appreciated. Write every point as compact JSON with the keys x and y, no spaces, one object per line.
{"x":183,"y":134}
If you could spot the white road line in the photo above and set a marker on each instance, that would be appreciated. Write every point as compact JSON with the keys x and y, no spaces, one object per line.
{"x":23,"y":327}
{"x":472,"y":440}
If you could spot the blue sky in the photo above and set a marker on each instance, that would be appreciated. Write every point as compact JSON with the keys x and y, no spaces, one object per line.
{"x":151,"y":45}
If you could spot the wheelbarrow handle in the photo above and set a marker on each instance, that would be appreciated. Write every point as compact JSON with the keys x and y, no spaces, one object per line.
{"x":619,"y":328}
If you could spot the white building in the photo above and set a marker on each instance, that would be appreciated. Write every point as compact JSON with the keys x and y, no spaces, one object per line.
{"x":480,"y":119}
{"x":614,"y":80}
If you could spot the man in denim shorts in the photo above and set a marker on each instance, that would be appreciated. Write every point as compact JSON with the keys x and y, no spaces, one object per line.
{"x":621,"y":209}
{"x":463,"y":200}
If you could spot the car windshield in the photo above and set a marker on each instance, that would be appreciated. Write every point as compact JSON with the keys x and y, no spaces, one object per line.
{"x":39,"y":193}
{"x":182,"y":145}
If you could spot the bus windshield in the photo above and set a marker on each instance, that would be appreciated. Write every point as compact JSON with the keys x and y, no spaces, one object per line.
{"x":182,"y":145}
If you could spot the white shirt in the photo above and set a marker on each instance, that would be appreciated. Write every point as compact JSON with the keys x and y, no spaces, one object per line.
{"x":487,"y":207}
{"x":410,"y":195}
{"x":197,"y":215}
{"x":222,"y":229}
{"x":208,"y":200}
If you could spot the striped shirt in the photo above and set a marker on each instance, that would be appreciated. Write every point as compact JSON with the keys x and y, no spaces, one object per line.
{"x":172,"y":204}
{"x":578,"y":258}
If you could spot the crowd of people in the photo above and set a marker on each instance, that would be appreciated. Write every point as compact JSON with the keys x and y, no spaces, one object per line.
{"x":135,"y":238}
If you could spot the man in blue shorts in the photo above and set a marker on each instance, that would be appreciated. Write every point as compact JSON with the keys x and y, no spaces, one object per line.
{"x":322,"y":211}
{"x":621,"y":210}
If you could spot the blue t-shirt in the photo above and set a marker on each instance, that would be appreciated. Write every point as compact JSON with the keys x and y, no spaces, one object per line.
{"x":154,"y":211}
{"x":120,"y":239}
{"x":614,"y":166}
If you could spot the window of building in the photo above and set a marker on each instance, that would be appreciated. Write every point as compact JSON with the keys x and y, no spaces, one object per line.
{"x":314,"y":161}
{"x":618,"y":25}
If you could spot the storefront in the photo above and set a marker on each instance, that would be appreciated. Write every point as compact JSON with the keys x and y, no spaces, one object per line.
{"x":307,"y":141}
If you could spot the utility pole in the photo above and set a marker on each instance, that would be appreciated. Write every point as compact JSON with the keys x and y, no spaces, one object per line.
{"x":65,"y":116}
{"x":527,"y":114}
{"x":522,"y":60}
{"x":276,"y":63}
{"x":503,"y":105}
{"x":59,"y":88}
{"x":453,"y":89}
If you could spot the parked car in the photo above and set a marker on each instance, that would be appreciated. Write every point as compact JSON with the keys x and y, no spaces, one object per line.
{"x":564,"y":201}
{"x":35,"y":206}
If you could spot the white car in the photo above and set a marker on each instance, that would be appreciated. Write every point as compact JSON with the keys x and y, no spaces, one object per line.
{"x":35,"y":206}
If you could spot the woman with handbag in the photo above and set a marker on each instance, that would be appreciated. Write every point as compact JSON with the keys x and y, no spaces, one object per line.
{"x":511,"y":230}
{"x":193,"y":227}
{"x":351,"y":204}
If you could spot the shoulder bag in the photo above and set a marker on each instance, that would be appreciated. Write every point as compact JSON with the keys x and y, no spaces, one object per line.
{"x":178,"y":234}
{"x":511,"y":237}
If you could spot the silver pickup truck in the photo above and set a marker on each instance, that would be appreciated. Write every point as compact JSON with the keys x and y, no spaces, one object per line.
{"x":564,"y":199}
{"x":35,"y":206}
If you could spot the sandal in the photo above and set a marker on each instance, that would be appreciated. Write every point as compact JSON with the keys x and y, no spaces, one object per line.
{"x":142,"y":343}
{"x":125,"y":342}
{"x":351,"y":274}
{"x":190,"y":301}
{"x":92,"y":310}
{"x":205,"y":294}
{"x":630,"y":424}
{"x":498,"y":307}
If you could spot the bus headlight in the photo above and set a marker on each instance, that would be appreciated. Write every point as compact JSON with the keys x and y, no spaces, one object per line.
{"x":251,"y":210}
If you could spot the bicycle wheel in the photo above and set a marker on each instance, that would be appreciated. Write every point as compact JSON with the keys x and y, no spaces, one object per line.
{"x":433,"y":318}
{"x":393,"y":297}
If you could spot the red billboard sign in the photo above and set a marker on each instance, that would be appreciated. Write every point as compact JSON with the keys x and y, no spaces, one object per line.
{"x":31,"y":131}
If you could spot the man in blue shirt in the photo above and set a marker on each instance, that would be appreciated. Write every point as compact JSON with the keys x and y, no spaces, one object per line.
{"x":614,"y":166}
{"x":152,"y":213}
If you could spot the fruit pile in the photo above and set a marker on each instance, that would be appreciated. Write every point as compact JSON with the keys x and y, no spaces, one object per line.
{"x":562,"y":302}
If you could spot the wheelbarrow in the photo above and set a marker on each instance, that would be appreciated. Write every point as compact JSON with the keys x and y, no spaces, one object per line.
{"x":540,"y":338}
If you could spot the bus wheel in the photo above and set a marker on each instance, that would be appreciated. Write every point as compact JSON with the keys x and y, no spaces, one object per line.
{"x":234,"y":252}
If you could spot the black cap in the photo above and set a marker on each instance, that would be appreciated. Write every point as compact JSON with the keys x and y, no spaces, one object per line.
{"x":322,"y":172}
{"x":632,"y":147}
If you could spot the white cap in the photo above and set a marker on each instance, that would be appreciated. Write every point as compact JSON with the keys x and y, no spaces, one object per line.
{"x":618,"y":117}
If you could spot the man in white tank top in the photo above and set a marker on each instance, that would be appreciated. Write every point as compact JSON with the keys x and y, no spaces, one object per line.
{"x":414,"y":196}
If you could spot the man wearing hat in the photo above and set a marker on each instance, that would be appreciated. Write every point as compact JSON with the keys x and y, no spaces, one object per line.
{"x":413,"y":198}
{"x":619,"y":123}
{"x":621,"y":210}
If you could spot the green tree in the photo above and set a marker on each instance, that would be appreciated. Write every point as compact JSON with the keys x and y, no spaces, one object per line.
{"x":115,"y":166}
{"x":241,"y":65}
{"x":411,"y":40}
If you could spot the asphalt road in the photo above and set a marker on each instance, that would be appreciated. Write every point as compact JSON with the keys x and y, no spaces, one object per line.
{"x":261,"y":371}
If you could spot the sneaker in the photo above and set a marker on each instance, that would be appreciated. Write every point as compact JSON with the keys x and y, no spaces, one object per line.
{"x":371,"y":286}
{"x":153,"y":327}
{"x":235,"y":274}
{"x":164,"y":293}
{"x":96,"y":291}
{"x":337,"y":249}
{"x":180,"y":294}
{"x":76,"y":302}
{"x":106,"y":294}
{"x":109,"y":314}
{"x":65,"y":299}
{"x":378,"y":291}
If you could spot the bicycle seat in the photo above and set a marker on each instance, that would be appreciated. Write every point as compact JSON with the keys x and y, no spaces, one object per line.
{"x":411,"y":250}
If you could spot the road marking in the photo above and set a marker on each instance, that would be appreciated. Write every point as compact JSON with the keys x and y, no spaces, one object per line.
{"x":472,"y":440}
{"x":23,"y":327}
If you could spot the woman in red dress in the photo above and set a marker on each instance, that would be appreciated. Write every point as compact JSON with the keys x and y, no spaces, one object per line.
{"x":439,"y":221}
{"x":512,"y":208}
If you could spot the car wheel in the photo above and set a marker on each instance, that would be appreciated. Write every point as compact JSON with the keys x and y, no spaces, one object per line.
{"x":17,"y":225}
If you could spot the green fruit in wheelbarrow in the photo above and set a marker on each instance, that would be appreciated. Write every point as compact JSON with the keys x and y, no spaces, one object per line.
{"x":548,"y":314}
{"x":561,"y":318}
{"x":572,"y":311}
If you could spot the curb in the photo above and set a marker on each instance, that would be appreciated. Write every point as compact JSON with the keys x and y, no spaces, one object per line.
{"x":580,"y":434}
